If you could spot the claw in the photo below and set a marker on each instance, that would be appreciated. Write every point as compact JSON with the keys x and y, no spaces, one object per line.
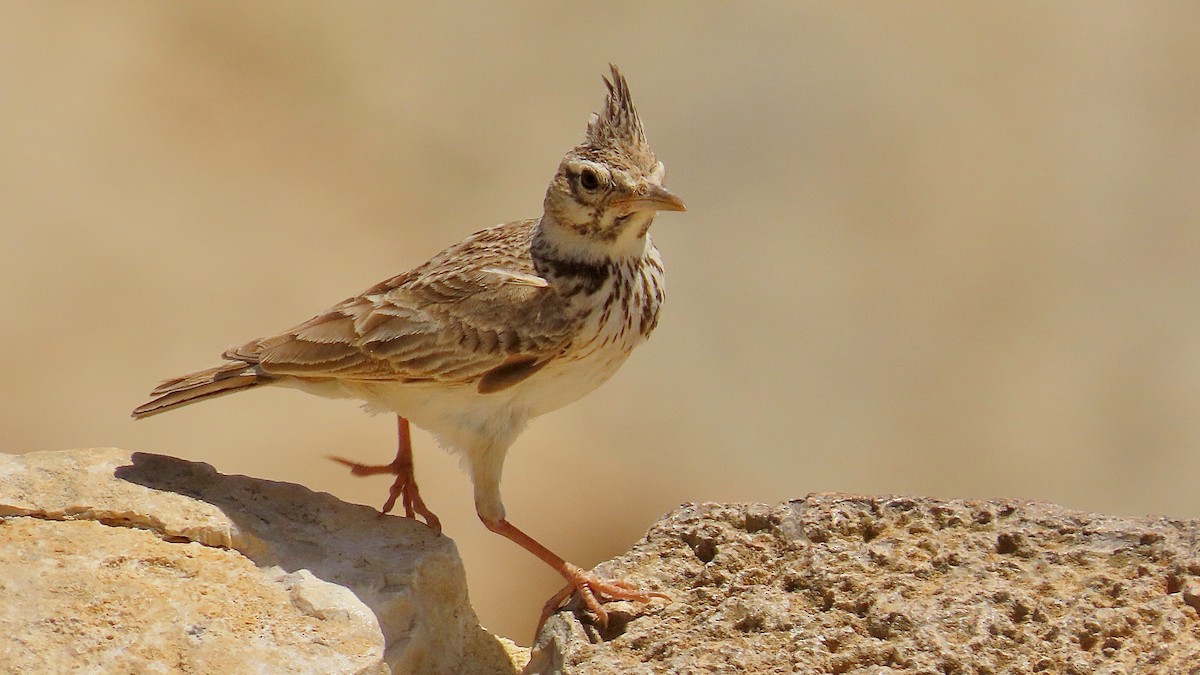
{"x":404,"y":488}
{"x":363,"y":469}
{"x":594,"y":591}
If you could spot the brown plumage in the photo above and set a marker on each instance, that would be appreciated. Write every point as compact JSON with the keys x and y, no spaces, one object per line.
{"x":468,"y":311}
{"x":510,"y":323}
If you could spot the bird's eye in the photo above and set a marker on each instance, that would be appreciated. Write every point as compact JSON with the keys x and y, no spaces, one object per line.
{"x":589,"y":180}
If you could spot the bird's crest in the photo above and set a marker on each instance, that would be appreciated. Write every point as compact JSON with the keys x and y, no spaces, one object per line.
{"x":618,"y":125}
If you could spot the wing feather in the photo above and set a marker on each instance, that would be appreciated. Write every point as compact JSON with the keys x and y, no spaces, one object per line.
{"x":327,"y":328}
{"x":477,"y":312}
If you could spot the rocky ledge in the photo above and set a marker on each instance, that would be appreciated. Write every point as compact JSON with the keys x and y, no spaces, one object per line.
{"x":847,"y":584}
{"x":118,"y":562}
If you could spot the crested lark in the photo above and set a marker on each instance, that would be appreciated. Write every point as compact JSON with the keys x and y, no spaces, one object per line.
{"x":510,"y":323}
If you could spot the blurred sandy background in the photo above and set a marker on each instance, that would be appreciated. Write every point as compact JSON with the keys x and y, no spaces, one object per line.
{"x":950,"y":249}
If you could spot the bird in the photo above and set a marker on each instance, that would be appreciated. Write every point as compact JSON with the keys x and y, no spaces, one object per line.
{"x":513,"y":322}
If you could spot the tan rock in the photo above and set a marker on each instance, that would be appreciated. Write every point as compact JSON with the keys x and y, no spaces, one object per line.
{"x":847,"y":584}
{"x":146,"y":563}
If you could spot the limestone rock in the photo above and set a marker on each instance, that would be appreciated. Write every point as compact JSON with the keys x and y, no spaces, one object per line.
{"x":848,"y":584}
{"x":119,"y":562}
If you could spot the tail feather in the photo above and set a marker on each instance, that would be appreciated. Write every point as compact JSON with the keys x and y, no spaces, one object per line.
{"x":198,"y":386}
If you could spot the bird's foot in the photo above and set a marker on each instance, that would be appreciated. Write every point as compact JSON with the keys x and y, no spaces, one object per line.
{"x":404,"y":489}
{"x":594,"y":591}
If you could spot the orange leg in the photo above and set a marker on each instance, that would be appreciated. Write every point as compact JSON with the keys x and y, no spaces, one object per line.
{"x":591,"y":589}
{"x":404,"y":488}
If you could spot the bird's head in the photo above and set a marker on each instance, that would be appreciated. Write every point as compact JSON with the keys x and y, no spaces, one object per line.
{"x":608,"y":188}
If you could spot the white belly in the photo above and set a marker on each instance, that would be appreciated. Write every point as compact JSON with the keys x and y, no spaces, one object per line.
{"x":462,"y":417}
{"x":445,"y":410}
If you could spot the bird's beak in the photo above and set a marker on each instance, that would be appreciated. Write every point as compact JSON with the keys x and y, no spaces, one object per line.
{"x":656,"y":198}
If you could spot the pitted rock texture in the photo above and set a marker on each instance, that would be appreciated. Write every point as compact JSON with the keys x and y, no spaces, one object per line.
{"x":120,"y":562}
{"x":848,"y":584}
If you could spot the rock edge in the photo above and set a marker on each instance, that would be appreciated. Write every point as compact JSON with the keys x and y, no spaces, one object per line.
{"x":850,"y":584}
{"x":134,"y":561}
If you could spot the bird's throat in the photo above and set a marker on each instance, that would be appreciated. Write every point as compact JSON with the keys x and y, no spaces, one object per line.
{"x":631,"y":242}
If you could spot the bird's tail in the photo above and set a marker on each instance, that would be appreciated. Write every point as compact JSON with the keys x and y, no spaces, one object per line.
{"x":198,"y":386}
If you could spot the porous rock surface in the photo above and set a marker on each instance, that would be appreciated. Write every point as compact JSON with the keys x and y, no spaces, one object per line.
{"x":120,"y":562}
{"x":848,"y":584}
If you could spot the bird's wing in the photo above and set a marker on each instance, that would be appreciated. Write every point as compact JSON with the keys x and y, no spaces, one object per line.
{"x":477,"y":312}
